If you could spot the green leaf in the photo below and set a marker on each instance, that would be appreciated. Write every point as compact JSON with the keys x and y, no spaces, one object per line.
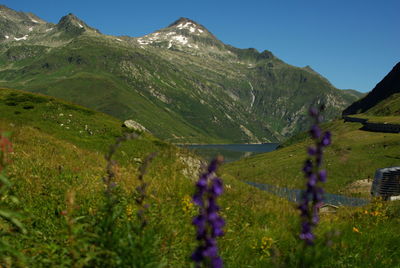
{"x":12,"y":217}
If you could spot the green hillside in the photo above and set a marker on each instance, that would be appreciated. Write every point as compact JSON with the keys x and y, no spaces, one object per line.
{"x":56,"y":173}
{"x":385,"y":89}
{"x":354,"y":155}
{"x":355,"y":93}
{"x":181,"y":82}
{"x":390,"y":106}
{"x":387,"y":110}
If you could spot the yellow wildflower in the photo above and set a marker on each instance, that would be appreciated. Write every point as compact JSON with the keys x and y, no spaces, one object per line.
{"x":355,"y":229}
{"x":264,"y":248}
{"x":375,"y":213}
{"x":187,"y":204}
{"x":129,"y":212}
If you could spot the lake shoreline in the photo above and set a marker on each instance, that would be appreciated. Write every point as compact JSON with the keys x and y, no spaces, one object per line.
{"x":231,"y":152}
{"x":200,"y":144}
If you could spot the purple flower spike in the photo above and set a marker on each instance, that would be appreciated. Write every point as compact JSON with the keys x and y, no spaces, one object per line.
{"x":315,"y":132}
{"x":208,"y":223}
{"x":322,"y":175}
{"x":312,"y":151}
{"x":311,"y":200}
{"x":326,"y":140}
{"x":217,"y":262}
{"x":216,"y":186}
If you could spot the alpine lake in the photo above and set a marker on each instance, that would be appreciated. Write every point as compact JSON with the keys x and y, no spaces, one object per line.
{"x":230,"y":152}
{"x":234,"y":152}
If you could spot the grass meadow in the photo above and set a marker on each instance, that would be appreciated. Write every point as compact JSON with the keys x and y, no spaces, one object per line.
{"x":58,"y":194}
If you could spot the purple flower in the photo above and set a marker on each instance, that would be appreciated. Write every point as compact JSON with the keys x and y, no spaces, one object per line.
{"x":315,"y":131}
{"x":312,"y":197}
{"x":208,"y":223}
{"x":308,"y":167}
{"x":326,"y":140}
{"x":312,"y":150}
{"x":216,"y":186}
{"x":322,"y":175}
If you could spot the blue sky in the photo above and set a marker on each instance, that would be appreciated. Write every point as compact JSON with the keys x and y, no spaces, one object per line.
{"x":353,"y":43}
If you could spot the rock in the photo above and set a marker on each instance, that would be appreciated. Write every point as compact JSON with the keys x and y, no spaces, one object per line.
{"x":131,"y":124}
{"x":192,"y":166}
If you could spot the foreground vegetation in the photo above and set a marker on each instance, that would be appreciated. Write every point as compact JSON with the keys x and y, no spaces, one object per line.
{"x":56,"y":174}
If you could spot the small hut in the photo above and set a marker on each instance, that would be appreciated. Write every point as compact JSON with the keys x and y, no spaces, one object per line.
{"x":386,"y":183}
{"x":328,"y":208}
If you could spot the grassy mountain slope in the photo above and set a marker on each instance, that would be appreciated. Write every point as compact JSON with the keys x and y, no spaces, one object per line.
{"x":180,"y":82}
{"x":386,"y":111}
{"x":354,"y":155}
{"x":388,"y":107}
{"x":355,"y":93}
{"x":389,"y":85}
{"x":51,"y":160}
{"x":382,"y":104}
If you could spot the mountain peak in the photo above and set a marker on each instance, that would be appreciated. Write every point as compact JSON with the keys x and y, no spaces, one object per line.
{"x":18,"y":17}
{"x":71,"y":19}
{"x":72,"y":24}
{"x":71,"y":16}
{"x":189,"y":25}
{"x":182,"y":20}
{"x":6,"y":9}
{"x":18,"y":26}
{"x":185,"y":35}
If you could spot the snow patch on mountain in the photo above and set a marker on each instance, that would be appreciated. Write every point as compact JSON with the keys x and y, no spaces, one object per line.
{"x":181,"y":39}
{"x":35,"y":21}
{"x":189,"y":25}
{"x":30,"y":29}
{"x":173,"y":38}
{"x":6,"y":36}
{"x":143,"y":42}
{"x":48,"y":30}
{"x":80,"y":25}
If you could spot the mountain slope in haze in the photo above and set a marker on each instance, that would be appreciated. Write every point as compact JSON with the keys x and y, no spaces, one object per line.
{"x":181,"y":82}
{"x":386,"y":88}
{"x":355,"y":93}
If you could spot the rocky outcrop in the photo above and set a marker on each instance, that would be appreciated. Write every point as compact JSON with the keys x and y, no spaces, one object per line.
{"x":133,"y":125}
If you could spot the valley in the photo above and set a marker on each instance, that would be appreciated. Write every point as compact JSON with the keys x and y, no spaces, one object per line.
{"x":202,"y":90}
{"x":221,"y":149}
{"x":58,"y":153}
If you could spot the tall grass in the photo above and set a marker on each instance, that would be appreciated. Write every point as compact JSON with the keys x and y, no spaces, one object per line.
{"x":9,"y":217}
{"x":139,"y":215}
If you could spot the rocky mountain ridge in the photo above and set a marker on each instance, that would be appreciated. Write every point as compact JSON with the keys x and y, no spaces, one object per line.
{"x":180,"y":82}
{"x":389,"y":86}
